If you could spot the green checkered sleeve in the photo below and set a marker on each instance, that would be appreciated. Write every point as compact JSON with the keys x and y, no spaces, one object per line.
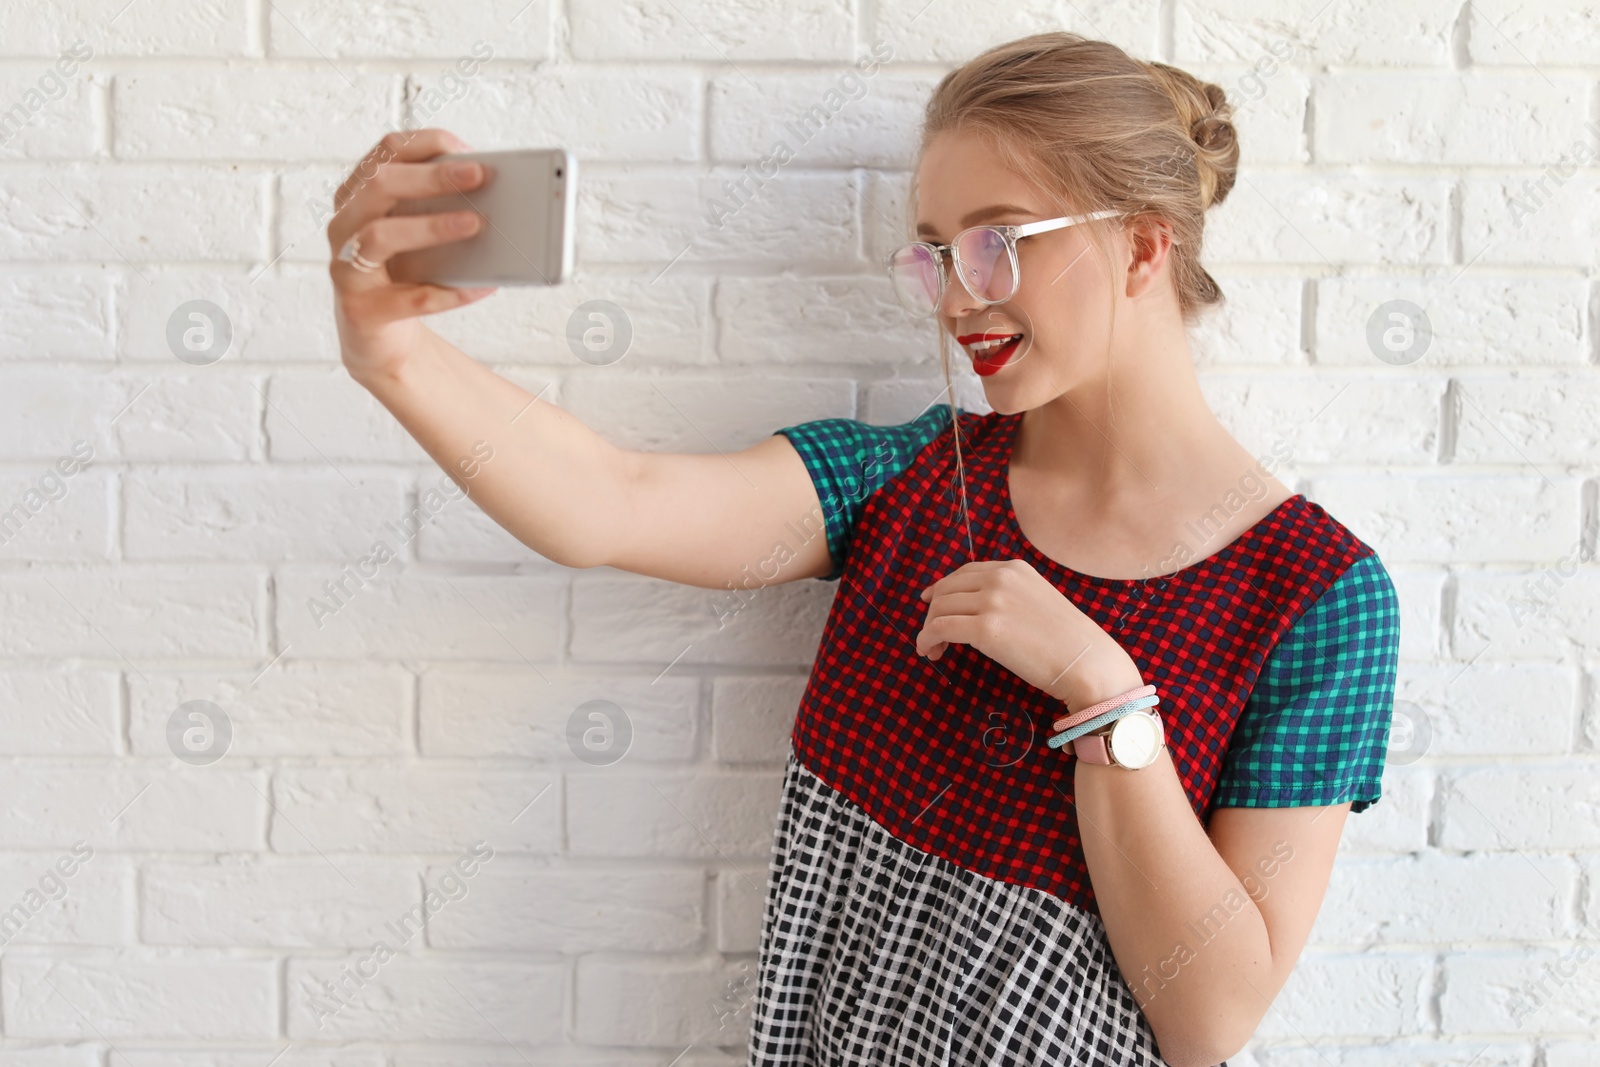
{"x":849,"y":460}
{"x":1315,"y":730}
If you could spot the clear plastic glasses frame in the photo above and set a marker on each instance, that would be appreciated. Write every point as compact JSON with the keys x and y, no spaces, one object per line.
{"x":1008,"y":235}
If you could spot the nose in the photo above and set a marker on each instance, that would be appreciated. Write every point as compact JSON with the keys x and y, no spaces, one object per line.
{"x":956,"y":301}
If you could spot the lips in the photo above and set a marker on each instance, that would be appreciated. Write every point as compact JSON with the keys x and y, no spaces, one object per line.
{"x":988,"y":360}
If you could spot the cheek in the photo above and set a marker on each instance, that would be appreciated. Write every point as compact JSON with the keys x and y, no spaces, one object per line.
{"x":1047,"y":319}
{"x":1071,"y":312}
{"x":1075,"y":275}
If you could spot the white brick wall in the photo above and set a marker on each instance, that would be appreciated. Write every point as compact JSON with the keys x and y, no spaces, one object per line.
{"x":226,"y":913}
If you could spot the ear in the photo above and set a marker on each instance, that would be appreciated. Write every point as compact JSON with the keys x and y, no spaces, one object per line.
{"x":1149,"y":240}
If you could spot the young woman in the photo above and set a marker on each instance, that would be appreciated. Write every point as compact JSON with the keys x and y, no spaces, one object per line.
{"x":1096,"y":691}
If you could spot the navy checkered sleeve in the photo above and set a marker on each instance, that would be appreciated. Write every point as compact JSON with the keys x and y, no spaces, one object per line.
{"x":1316,"y":727}
{"x":849,"y":460}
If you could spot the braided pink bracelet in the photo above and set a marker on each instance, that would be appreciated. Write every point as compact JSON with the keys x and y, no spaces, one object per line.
{"x":1067,"y":722}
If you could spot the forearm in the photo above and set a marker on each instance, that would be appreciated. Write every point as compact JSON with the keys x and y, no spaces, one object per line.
{"x":544,"y":464}
{"x":1187,"y":936}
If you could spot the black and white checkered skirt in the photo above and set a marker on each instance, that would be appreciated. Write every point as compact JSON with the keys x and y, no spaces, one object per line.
{"x":873,"y":952}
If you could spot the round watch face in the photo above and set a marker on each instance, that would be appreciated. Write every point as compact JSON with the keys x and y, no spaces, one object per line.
{"x":1135,"y":740}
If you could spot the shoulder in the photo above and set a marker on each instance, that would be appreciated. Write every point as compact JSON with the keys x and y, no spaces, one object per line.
{"x":1353,"y":630}
{"x":1316,"y":725}
{"x":1347,"y":616}
{"x":1346,"y":577}
{"x":843,"y":434}
{"x":1307,"y":563}
{"x":1315,"y":729}
{"x":850,"y":460}
{"x":841,"y":445}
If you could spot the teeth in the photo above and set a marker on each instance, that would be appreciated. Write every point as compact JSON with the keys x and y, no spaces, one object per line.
{"x":984,"y":348}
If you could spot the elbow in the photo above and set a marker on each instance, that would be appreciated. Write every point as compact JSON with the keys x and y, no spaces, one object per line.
{"x":1209,"y":1031}
{"x":1201,"y":1049}
{"x":1200,"y":1056}
{"x":578,"y":559}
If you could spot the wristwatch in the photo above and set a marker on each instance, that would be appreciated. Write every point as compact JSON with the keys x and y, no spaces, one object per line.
{"x":1132,"y":741}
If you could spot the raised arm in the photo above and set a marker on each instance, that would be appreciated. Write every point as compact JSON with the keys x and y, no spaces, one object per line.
{"x":553,"y":483}
{"x":575,"y":498}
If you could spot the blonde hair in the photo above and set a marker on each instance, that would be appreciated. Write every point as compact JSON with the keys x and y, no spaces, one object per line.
{"x":1097,"y":129}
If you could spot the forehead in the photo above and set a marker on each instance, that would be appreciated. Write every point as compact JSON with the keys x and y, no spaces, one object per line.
{"x":960,"y":173}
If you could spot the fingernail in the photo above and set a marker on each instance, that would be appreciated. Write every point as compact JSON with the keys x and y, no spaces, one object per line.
{"x":463,"y":171}
{"x":467,"y":223}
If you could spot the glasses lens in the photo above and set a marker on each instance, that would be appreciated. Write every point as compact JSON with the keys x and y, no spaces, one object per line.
{"x":985,"y":265}
{"x":916,"y":278}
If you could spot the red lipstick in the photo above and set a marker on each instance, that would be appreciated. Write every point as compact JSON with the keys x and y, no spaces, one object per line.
{"x":991,"y":360}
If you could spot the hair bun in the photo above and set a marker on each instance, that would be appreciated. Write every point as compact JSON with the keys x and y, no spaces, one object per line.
{"x":1203,"y":109}
{"x":1213,"y":133}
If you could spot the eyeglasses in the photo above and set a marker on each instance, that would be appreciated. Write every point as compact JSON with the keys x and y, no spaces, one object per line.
{"x":985,"y":261}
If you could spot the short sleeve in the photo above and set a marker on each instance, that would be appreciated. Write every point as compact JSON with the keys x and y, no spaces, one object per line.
{"x":1315,"y":729}
{"x":849,"y":460}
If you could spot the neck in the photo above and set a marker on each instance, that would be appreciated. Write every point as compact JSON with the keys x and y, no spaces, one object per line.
{"x":1141,"y":431}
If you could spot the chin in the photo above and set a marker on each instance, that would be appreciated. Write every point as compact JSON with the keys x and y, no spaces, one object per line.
{"x":1002,"y":401}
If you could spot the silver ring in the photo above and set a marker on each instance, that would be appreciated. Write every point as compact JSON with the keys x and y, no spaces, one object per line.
{"x":351,"y":254}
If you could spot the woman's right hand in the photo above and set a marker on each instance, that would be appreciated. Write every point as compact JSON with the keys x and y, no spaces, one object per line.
{"x":376,"y":316}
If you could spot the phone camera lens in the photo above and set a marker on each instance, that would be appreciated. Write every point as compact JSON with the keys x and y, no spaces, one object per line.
{"x":558,"y":172}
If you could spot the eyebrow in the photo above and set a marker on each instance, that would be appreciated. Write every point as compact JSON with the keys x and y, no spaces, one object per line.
{"x":928,"y":229}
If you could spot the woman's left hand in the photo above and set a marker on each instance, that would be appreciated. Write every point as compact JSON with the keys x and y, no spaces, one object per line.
{"x":1011,"y":613}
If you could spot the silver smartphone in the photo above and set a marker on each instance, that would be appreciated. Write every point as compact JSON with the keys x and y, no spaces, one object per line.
{"x":527,"y":202}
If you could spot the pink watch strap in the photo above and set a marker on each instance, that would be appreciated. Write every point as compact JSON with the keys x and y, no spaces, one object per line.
{"x":1069,"y":721}
{"x":1096,"y":747}
{"x":1092,"y":748}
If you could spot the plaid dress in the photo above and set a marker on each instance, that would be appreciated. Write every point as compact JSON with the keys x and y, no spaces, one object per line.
{"x":928,"y":901}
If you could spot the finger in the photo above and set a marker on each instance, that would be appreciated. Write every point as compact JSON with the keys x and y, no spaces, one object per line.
{"x":965,"y":577}
{"x":382,"y":238}
{"x":970,"y":603}
{"x":939,"y":632}
{"x":402,"y":146}
{"x":380,"y":306}
{"x":395,"y":182}
{"x":931,"y":649}
{"x":975,"y":630}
